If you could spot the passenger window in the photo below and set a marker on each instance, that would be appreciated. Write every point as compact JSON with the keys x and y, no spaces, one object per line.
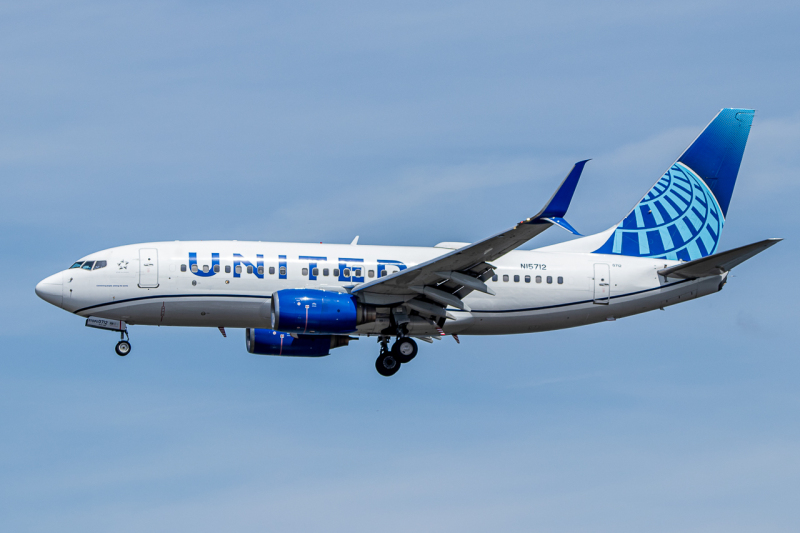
{"x":315,"y":272}
{"x":335,"y":271}
{"x":205,"y":269}
{"x":99,"y":264}
{"x":216,"y":269}
{"x":260,"y":271}
{"x":527,"y":279}
{"x":538,"y":279}
{"x":505,"y":277}
{"x":346,"y":272}
{"x":494,"y":278}
{"x":383,"y":273}
{"x":77,"y":265}
{"x":371,"y":273}
{"x":271,"y":271}
{"x":227,"y":269}
{"x":238,"y":269}
{"x":194,"y":268}
{"x":305,"y":272}
{"x":357,"y":273}
{"x":560,"y":280}
{"x":549,"y":279}
{"x":516,"y":278}
{"x":325,"y":271}
{"x":283,"y":271}
{"x":183,"y":268}
{"x":250,"y":269}
{"x":88,"y":265}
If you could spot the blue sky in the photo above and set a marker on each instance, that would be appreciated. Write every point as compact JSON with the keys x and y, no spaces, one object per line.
{"x":405,"y":124}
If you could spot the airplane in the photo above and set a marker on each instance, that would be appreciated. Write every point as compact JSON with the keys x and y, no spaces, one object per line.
{"x":304,"y":300}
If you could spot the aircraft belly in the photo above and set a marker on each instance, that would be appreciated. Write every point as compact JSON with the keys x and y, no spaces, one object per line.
{"x":582,"y":312}
{"x":188,"y":312}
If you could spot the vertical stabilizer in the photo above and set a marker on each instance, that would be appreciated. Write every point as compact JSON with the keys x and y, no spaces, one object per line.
{"x":682,"y":216}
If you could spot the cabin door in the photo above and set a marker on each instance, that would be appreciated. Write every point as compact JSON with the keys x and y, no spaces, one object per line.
{"x":602,"y":283}
{"x":148,"y":268}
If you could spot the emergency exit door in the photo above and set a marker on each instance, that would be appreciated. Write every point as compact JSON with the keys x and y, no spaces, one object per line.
{"x":602,"y":283}
{"x":148,"y":268}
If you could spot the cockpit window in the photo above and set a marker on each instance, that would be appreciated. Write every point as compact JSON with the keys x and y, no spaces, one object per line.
{"x":99,"y":264}
{"x":88,"y":265}
{"x":77,"y":265}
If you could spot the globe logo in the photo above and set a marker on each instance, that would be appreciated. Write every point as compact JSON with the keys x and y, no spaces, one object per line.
{"x":678,"y":219}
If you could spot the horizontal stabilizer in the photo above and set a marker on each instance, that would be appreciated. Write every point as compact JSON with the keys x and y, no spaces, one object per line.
{"x":716,"y":264}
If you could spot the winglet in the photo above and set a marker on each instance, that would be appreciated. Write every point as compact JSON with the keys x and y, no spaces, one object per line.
{"x":561,"y":223}
{"x":559,"y":203}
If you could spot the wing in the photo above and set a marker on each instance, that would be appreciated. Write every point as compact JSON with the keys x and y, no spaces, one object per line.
{"x":445,"y":280}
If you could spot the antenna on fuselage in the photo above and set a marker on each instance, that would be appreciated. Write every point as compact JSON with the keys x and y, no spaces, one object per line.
{"x":355,"y":241}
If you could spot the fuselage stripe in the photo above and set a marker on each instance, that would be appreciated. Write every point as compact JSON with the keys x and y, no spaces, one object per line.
{"x":571,"y":303}
{"x":268,"y":297}
{"x":488,"y":311}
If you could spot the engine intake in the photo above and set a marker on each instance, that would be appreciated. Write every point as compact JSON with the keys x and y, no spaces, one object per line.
{"x":316,"y":312}
{"x":270,"y":342}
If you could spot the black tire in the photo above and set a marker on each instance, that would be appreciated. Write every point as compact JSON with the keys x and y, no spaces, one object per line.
{"x":123,"y":348}
{"x":387,"y":364}
{"x":405,"y":349}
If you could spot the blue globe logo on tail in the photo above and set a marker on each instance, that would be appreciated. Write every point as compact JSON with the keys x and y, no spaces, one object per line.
{"x":678,"y":219}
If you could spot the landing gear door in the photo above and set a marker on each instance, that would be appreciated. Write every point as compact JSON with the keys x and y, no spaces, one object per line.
{"x":148,"y":268}
{"x":602,"y":283}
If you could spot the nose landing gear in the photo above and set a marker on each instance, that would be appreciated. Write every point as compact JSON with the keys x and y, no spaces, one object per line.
{"x":123,"y":347}
{"x":389,"y":361}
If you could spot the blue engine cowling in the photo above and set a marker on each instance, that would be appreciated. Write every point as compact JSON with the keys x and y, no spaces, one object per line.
{"x":316,"y":312}
{"x":270,"y":342}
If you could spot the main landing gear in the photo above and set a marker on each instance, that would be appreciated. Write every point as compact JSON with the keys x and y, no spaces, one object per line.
{"x":389,"y":361}
{"x":123,"y":347}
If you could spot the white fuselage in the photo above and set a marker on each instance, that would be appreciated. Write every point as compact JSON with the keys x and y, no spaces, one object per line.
{"x":155,"y":284}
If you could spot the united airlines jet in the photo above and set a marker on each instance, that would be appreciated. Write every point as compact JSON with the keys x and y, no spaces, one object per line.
{"x":307,"y":299}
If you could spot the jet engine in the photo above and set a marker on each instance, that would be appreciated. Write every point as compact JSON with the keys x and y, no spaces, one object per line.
{"x":316,"y":312}
{"x":270,"y":342}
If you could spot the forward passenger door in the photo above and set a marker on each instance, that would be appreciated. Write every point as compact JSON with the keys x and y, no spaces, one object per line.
{"x":148,"y":268}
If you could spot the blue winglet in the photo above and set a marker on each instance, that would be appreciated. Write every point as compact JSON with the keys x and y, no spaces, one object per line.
{"x":560,"y":222}
{"x":559,"y":203}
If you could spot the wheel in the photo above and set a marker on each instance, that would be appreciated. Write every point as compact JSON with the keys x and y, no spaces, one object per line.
{"x":123,"y":348}
{"x":387,"y":364}
{"x":405,"y":349}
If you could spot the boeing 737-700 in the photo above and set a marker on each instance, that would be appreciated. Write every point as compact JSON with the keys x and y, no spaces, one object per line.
{"x":307,"y":299}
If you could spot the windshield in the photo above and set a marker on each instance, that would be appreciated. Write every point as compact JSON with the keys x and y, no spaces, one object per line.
{"x":88,"y":265}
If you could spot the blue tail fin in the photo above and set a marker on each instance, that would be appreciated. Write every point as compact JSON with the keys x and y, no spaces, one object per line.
{"x":682,"y":216}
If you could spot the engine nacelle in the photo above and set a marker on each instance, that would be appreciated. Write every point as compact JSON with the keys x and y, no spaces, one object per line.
{"x":316,"y":312}
{"x":270,"y":342}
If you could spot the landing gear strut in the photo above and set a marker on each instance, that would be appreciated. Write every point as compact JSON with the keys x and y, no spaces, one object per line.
{"x":389,"y":361}
{"x":123,"y":347}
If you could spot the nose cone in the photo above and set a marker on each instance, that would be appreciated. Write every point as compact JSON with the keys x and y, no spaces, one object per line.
{"x":49,"y":289}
